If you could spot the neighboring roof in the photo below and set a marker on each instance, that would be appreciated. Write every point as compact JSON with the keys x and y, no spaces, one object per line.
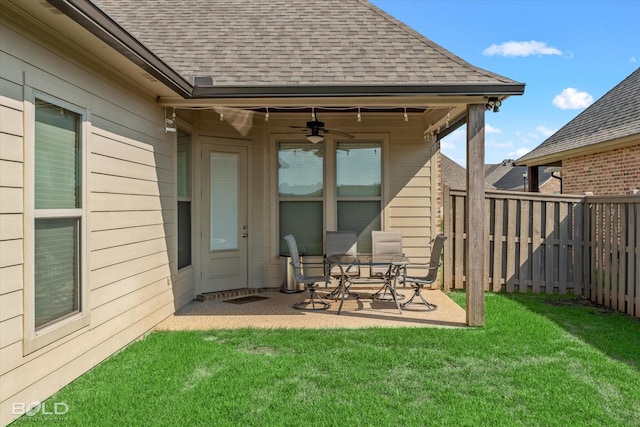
{"x":614,"y":116}
{"x":283,"y":43}
{"x":508,"y":176}
{"x":454,"y":175}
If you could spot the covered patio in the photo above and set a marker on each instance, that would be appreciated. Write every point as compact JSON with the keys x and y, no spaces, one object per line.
{"x":273,"y":309}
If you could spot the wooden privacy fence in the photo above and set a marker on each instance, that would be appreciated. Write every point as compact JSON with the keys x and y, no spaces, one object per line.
{"x":546,"y":243}
{"x":613,"y":252}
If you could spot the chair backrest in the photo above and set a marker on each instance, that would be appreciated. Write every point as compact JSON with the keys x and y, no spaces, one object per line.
{"x":436,"y":252}
{"x":385,"y":243}
{"x":295,"y":256}
{"x":341,"y":242}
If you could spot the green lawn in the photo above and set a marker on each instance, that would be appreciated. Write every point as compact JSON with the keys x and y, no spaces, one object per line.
{"x":539,"y":361}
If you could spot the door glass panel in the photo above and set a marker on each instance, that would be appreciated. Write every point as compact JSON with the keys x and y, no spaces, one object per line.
{"x":224,"y":201}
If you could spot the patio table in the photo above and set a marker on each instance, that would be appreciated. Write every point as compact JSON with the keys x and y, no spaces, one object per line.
{"x":395,"y":263}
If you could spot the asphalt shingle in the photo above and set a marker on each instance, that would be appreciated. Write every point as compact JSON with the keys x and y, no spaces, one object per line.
{"x":290,"y":42}
{"x":615,"y":115}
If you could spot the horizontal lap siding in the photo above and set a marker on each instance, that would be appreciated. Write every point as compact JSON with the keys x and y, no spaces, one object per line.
{"x":11,"y":221}
{"x":411,"y":207}
{"x":130,"y":216}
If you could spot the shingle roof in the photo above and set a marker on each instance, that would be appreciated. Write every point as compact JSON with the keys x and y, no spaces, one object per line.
{"x":615,"y":115}
{"x":507,"y":176}
{"x":454,"y":175}
{"x":290,"y":42}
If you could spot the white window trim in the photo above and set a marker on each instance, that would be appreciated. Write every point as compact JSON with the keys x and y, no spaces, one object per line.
{"x":36,"y":339}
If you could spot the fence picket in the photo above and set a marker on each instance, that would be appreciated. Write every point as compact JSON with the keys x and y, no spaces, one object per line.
{"x":498,"y":232}
{"x":634,"y":306}
{"x":525,"y":256}
{"x":563,"y":248}
{"x":536,"y":251}
{"x":511,"y":245}
{"x":622,"y":262}
{"x":549,"y":244}
{"x":461,"y":234}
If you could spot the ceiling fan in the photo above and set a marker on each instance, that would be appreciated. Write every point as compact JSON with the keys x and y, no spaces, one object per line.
{"x":317,"y":131}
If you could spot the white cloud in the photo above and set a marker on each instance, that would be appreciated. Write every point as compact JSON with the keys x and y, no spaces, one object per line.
{"x":633,"y":60}
{"x":490,"y":129}
{"x":519,"y":152}
{"x":492,"y":143}
{"x":572,"y":99}
{"x":514,"y":48}
{"x":545,"y":131}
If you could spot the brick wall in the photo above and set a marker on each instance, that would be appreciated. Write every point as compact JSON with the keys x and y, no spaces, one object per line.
{"x":551,"y":186}
{"x":610,"y":172}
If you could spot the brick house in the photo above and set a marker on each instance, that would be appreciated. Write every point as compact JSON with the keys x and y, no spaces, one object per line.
{"x":599,"y":150}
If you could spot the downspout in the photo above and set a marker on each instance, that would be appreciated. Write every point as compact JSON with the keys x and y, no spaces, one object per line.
{"x":553,"y":174}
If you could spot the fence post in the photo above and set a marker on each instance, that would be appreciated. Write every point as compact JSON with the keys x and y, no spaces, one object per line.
{"x":447,"y":227}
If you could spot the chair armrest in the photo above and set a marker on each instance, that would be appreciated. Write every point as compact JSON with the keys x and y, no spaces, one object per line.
{"x":423,"y":264}
{"x":310,"y":263}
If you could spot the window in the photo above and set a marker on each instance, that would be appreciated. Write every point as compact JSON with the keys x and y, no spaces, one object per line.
{"x":300,"y":191}
{"x":354,"y":203}
{"x":184,"y":198}
{"x":359,"y":192}
{"x":58,"y":214}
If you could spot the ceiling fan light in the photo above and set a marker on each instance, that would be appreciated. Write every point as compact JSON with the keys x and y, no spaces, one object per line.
{"x":314,"y":139}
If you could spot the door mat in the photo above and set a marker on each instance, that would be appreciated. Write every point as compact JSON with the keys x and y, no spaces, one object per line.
{"x":247,"y":299}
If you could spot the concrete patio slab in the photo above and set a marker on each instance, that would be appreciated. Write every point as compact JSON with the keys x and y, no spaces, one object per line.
{"x":277,"y":312}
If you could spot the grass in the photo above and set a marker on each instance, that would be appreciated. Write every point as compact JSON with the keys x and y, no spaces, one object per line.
{"x":539,"y":361}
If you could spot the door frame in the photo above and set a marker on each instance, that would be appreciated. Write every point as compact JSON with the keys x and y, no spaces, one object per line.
{"x":198,"y":219}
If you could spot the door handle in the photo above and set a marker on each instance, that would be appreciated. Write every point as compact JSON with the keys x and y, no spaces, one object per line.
{"x":245,"y":234}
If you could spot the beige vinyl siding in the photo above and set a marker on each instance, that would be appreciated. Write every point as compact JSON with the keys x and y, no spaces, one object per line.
{"x":130,"y":214}
{"x":411,"y":207}
{"x":11,"y":220}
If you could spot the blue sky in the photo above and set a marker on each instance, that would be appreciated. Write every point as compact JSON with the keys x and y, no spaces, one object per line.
{"x":568,"y":53}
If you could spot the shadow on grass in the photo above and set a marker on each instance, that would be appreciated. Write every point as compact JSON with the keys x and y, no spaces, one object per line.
{"x":615,"y":334}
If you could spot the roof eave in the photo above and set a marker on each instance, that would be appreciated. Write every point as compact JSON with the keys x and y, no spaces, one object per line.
{"x":558,"y":156}
{"x":204,"y":88}
{"x":94,"y":20}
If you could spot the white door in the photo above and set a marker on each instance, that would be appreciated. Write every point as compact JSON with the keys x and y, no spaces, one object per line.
{"x":224,"y":218}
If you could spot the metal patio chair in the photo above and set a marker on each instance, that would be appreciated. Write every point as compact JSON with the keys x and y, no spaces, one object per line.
{"x":417,"y":283}
{"x":385,"y":243}
{"x":341,"y":243}
{"x":314,"y":302}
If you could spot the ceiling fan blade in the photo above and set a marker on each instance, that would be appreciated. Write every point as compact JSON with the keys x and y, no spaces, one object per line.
{"x":298,"y":127}
{"x":337,"y":132}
